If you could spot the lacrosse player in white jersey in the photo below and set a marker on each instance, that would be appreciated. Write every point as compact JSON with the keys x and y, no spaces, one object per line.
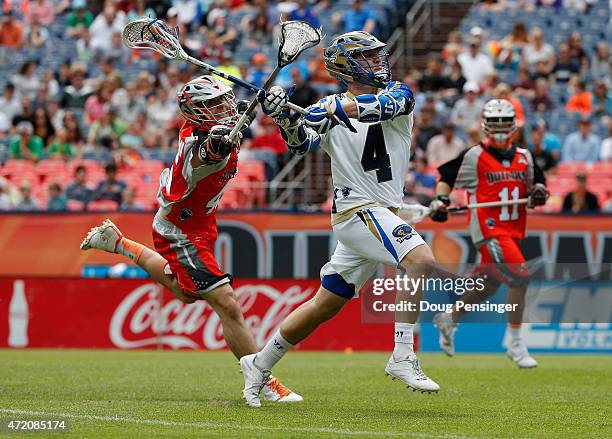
{"x":367,"y":134}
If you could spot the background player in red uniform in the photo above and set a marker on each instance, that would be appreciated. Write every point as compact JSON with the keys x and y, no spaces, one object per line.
{"x":185,"y":228}
{"x":494,"y":170}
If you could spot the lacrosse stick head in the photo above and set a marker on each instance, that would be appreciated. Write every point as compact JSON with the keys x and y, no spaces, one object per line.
{"x":414,"y":213}
{"x":152,"y":34}
{"x":296,"y":36}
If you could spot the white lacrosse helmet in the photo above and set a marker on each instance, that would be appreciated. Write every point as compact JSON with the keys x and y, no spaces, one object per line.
{"x":207,"y":101}
{"x":499,"y":121}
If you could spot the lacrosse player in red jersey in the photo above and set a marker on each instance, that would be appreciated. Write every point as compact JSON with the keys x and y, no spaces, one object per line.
{"x":495,"y":170}
{"x":185,"y":228}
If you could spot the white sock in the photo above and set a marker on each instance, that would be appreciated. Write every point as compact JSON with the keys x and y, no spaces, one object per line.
{"x":272,"y":352}
{"x":515,"y":334}
{"x":404,"y":341}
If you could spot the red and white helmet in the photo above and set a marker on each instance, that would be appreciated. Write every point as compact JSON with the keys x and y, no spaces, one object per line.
{"x":207,"y":101}
{"x":499,"y":121}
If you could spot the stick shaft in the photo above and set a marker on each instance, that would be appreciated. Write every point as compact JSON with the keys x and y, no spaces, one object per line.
{"x":489,"y":204}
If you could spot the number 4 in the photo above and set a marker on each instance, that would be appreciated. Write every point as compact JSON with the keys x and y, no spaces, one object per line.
{"x":375,"y":156}
{"x":503,"y":195}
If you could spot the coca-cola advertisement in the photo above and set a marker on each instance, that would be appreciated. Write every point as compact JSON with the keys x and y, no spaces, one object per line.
{"x":137,"y":314}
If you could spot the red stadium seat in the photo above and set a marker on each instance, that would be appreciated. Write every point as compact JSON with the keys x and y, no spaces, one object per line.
{"x":103,"y":206}
{"x":75,"y":206}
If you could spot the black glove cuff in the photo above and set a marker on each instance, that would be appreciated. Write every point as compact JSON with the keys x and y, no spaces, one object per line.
{"x":445,"y":199}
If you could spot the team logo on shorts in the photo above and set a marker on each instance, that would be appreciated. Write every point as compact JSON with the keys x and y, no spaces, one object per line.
{"x":403,"y":233}
{"x":186,"y":214}
{"x":490,"y":222}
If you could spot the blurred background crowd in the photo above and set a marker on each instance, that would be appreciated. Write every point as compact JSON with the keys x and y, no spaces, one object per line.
{"x":88,"y":124}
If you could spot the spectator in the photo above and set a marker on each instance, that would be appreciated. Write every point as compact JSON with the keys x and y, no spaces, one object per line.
{"x":25,"y":81}
{"x":537,"y":50}
{"x":43,"y":127}
{"x":77,"y":93}
{"x":359,"y":18}
{"x":129,"y":203}
{"x":257,"y":30}
{"x":550,"y":142}
{"x":433,"y":79}
{"x":259,"y":71}
{"x":110,"y":188}
{"x":541,"y":101}
{"x":580,"y":200}
{"x":25,"y":145}
{"x":79,"y":189}
{"x":212,"y":48}
{"x":161,"y":108}
{"x":5,"y":199}
{"x":601,"y":64}
{"x":40,"y":11}
{"x":134,"y":104}
{"x":228,"y":66}
{"x":606,"y":145}
{"x":303,"y":12}
{"x":576,"y":51}
{"x":107,"y":130}
{"x":304,"y":95}
{"x":10,"y":104}
{"x":582,"y":145}
{"x":75,"y":135}
{"x":565,"y":68}
{"x":139,"y":9}
{"x":36,"y":35}
{"x":468,"y":109}
{"x":602,"y":100}
{"x":475,"y":64}
{"x":186,"y":11}
{"x":79,"y":19}
{"x":444,"y":147}
{"x":512,"y":47}
{"x":11,"y":31}
{"x":420,"y":182}
{"x":27,"y":203}
{"x":57,"y":200}
{"x":543,"y":158}
{"x":27,"y":112}
{"x":474,"y":134}
{"x":97,"y":104}
{"x":118,"y":52}
{"x":525,"y":86}
{"x":427,"y":127}
{"x":226,"y":35}
{"x":453,"y":47}
{"x":581,"y":101}
{"x":268,"y":145}
{"x":454,"y":80}
{"x":61,"y":148}
{"x":110,"y":20}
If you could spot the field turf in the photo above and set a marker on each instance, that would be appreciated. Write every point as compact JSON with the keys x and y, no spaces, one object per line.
{"x":197,"y":394}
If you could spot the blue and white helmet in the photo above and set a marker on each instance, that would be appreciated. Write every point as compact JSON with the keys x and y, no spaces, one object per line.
{"x":345,"y":59}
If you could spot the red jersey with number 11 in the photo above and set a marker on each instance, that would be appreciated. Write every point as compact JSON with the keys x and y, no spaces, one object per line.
{"x":491,"y":175}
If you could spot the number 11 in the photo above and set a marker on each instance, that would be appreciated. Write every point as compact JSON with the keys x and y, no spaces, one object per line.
{"x":503,"y":195}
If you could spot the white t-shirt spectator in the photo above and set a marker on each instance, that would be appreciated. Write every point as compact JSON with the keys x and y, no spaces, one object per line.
{"x":186,"y":9}
{"x":102,"y":31}
{"x":475,"y":68}
{"x":533,"y":55}
{"x":440,"y":151}
{"x":605,"y":153}
{"x":465,"y":113}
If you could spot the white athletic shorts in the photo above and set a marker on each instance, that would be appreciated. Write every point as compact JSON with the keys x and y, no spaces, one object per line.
{"x":372,"y":236}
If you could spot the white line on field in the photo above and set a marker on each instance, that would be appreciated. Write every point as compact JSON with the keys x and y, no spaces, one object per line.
{"x":337,"y":431}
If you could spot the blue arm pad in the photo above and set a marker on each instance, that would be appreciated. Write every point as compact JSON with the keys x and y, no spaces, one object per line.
{"x":300,"y":140}
{"x":396,"y":100}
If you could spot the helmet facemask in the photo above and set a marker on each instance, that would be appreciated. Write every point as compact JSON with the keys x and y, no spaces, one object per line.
{"x":499,"y":129}
{"x":370,"y":67}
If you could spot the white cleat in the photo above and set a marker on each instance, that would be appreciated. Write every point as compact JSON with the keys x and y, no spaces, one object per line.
{"x":275,"y":391}
{"x":105,"y":237}
{"x":443,"y":321}
{"x":520,"y":355}
{"x":254,"y":380}
{"x":410,"y":373}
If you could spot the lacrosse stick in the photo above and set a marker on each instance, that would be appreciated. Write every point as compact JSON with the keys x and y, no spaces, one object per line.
{"x":413,"y":213}
{"x":156,"y":35}
{"x":296,"y":37}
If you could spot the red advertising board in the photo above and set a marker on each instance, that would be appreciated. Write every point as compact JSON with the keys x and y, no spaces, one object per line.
{"x":134,"y":314}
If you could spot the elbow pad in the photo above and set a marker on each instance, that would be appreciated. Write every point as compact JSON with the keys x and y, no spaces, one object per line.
{"x":299,"y":139}
{"x":396,"y":100}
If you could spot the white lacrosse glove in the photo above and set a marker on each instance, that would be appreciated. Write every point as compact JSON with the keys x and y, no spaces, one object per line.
{"x":274,"y":101}
{"x":326,"y":114}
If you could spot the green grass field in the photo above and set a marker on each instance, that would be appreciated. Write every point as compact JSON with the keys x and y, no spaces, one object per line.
{"x":197,"y":394}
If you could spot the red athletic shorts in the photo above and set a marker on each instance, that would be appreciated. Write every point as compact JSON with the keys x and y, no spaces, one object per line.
{"x":191,"y":258}
{"x":503,"y":261}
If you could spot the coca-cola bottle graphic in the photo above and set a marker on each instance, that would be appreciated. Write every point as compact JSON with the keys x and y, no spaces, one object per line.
{"x":18,"y":317}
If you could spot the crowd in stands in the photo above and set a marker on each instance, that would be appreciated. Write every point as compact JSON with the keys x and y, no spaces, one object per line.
{"x":96,"y":121}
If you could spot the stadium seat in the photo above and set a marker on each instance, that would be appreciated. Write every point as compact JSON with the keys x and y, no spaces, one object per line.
{"x":75,"y":206}
{"x":103,"y":206}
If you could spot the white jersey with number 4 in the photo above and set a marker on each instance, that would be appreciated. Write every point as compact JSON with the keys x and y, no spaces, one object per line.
{"x":369,"y":166}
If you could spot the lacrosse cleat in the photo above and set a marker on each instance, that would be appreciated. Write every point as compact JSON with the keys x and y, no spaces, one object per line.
{"x":104,"y":237}
{"x":443,"y":321}
{"x":254,"y":380}
{"x":518,"y":353}
{"x":276,"y":392}
{"x":410,"y":373}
